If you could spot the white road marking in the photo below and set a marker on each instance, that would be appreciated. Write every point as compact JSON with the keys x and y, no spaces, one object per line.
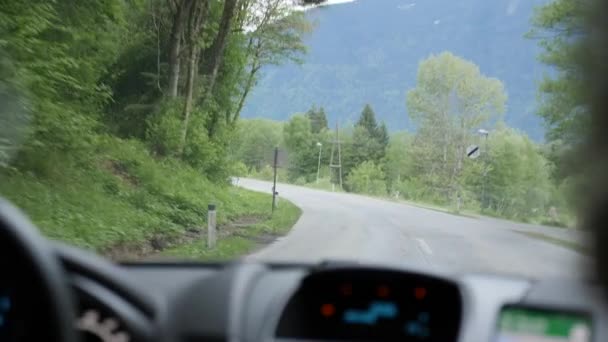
{"x":424,"y":246}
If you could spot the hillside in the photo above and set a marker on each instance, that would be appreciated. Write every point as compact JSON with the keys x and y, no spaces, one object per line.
{"x":369,"y":50}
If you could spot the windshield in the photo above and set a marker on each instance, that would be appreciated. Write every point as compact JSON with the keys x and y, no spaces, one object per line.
{"x":437,"y":135}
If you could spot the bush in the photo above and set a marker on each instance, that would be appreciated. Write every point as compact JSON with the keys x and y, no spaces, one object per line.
{"x":411,"y":189}
{"x":367,"y":178}
{"x":238,"y":169}
{"x":164,"y":130}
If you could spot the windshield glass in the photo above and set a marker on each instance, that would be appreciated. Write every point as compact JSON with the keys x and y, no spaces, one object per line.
{"x":437,"y":135}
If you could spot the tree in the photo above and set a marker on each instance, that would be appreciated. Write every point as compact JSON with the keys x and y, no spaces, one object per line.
{"x":318,"y":119}
{"x":255,"y":140}
{"x":398,"y":161}
{"x":369,"y":139}
{"x":367,"y":120}
{"x":214,"y":54}
{"x":198,"y":12}
{"x":179,"y":12}
{"x":275,"y":37}
{"x":451,"y":100}
{"x":560,"y":28}
{"x":301,"y":147}
{"x":517,"y":183}
{"x":382,"y":135}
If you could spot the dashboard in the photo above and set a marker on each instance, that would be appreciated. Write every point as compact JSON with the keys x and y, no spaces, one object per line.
{"x":54,"y":292}
{"x":324,"y":302}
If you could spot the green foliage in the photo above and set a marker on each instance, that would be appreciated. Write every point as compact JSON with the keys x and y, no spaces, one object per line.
{"x":297,"y":132}
{"x":318,"y":119}
{"x":559,"y":26}
{"x":239,"y":169}
{"x":451,"y":101}
{"x":560,"y":30}
{"x":75,"y":76}
{"x":367,"y":178}
{"x":121,"y":195}
{"x":517,"y":184}
{"x":255,"y":140}
{"x":398,"y":163}
{"x":368,"y":140}
{"x":301,"y":146}
{"x":367,"y":120}
{"x":245,"y":239}
{"x":164,"y":129}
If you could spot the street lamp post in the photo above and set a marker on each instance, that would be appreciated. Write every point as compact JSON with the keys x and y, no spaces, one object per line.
{"x":319,"y":164}
{"x":484,"y":133}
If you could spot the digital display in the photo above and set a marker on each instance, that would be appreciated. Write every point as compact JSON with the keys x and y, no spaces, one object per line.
{"x":518,"y":324}
{"x":372,"y":305}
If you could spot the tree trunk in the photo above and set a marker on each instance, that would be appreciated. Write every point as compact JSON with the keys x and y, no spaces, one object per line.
{"x":192,"y":71}
{"x":198,"y":12}
{"x":248,"y":86}
{"x":175,"y":42}
{"x":214,"y":55}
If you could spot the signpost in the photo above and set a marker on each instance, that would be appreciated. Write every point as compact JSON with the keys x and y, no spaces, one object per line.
{"x":211,"y":226}
{"x":473,"y":151}
{"x":274,"y":183}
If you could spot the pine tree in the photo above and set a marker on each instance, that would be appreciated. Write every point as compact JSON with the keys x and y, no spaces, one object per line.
{"x":382,"y":135}
{"x":367,"y":120}
{"x":318,"y":119}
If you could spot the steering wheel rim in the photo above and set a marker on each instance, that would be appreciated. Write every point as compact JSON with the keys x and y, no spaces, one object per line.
{"x":20,"y":237}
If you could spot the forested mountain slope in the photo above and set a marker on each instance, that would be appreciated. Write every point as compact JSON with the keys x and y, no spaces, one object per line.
{"x":368,"y":51}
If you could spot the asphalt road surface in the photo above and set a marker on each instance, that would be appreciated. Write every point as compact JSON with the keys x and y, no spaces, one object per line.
{"x":342,"y":226}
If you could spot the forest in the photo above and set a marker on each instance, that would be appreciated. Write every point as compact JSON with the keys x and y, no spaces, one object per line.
{"x":116,"y":115}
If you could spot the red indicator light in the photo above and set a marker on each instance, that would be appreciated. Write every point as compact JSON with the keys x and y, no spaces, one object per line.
{"x":328,"y":310}
{"x":383,"y":291}
{"x":346,"y":289}
{"x":420,"y":293}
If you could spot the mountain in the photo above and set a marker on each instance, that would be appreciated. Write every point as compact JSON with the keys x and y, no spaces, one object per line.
{"x":368,"y":51}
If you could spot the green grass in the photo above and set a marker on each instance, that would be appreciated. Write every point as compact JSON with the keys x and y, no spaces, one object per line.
{"x":243,"y":240}
{"x":228,"y":248}
{"x":118,"y":194}
{"x":575,"y":246}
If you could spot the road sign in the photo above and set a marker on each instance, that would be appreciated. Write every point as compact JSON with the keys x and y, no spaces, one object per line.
{"x":473,"y":151}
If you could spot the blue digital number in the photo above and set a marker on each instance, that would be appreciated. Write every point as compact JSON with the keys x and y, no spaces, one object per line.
{"x":418,"y":328}
{"x":376,"y":311}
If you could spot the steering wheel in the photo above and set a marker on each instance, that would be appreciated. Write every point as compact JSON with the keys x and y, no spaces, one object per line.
{"x":35,"y":304}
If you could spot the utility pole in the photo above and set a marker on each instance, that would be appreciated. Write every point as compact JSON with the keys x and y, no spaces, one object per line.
{"x":334,"y":147}
{"x":274,"y":183}
{"x":486,"y":157}
{"x":319,"y":164}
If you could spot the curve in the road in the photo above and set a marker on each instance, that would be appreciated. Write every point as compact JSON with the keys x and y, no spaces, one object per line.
{"x":341,"y":226}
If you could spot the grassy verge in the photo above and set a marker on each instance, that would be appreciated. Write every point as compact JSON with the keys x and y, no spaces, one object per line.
{"x":119,"y":195}
{"x":443,"y":209}
{"x":575,"y":246}
{"x":242,"y":240}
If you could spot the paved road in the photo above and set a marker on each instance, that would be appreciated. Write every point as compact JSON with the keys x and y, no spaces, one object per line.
{"x":352,"y":227}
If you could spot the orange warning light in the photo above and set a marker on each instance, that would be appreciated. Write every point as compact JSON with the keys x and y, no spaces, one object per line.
{"x":420,"y":293}
{"x":383,"y":291}
{"x":346,"y":289}
{"x":328,"y":310}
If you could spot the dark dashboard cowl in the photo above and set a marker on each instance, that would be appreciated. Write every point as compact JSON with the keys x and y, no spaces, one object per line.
{"x":226,"y":293}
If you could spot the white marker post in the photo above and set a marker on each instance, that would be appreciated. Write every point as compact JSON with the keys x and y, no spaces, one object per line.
{"x":211,"y":226}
